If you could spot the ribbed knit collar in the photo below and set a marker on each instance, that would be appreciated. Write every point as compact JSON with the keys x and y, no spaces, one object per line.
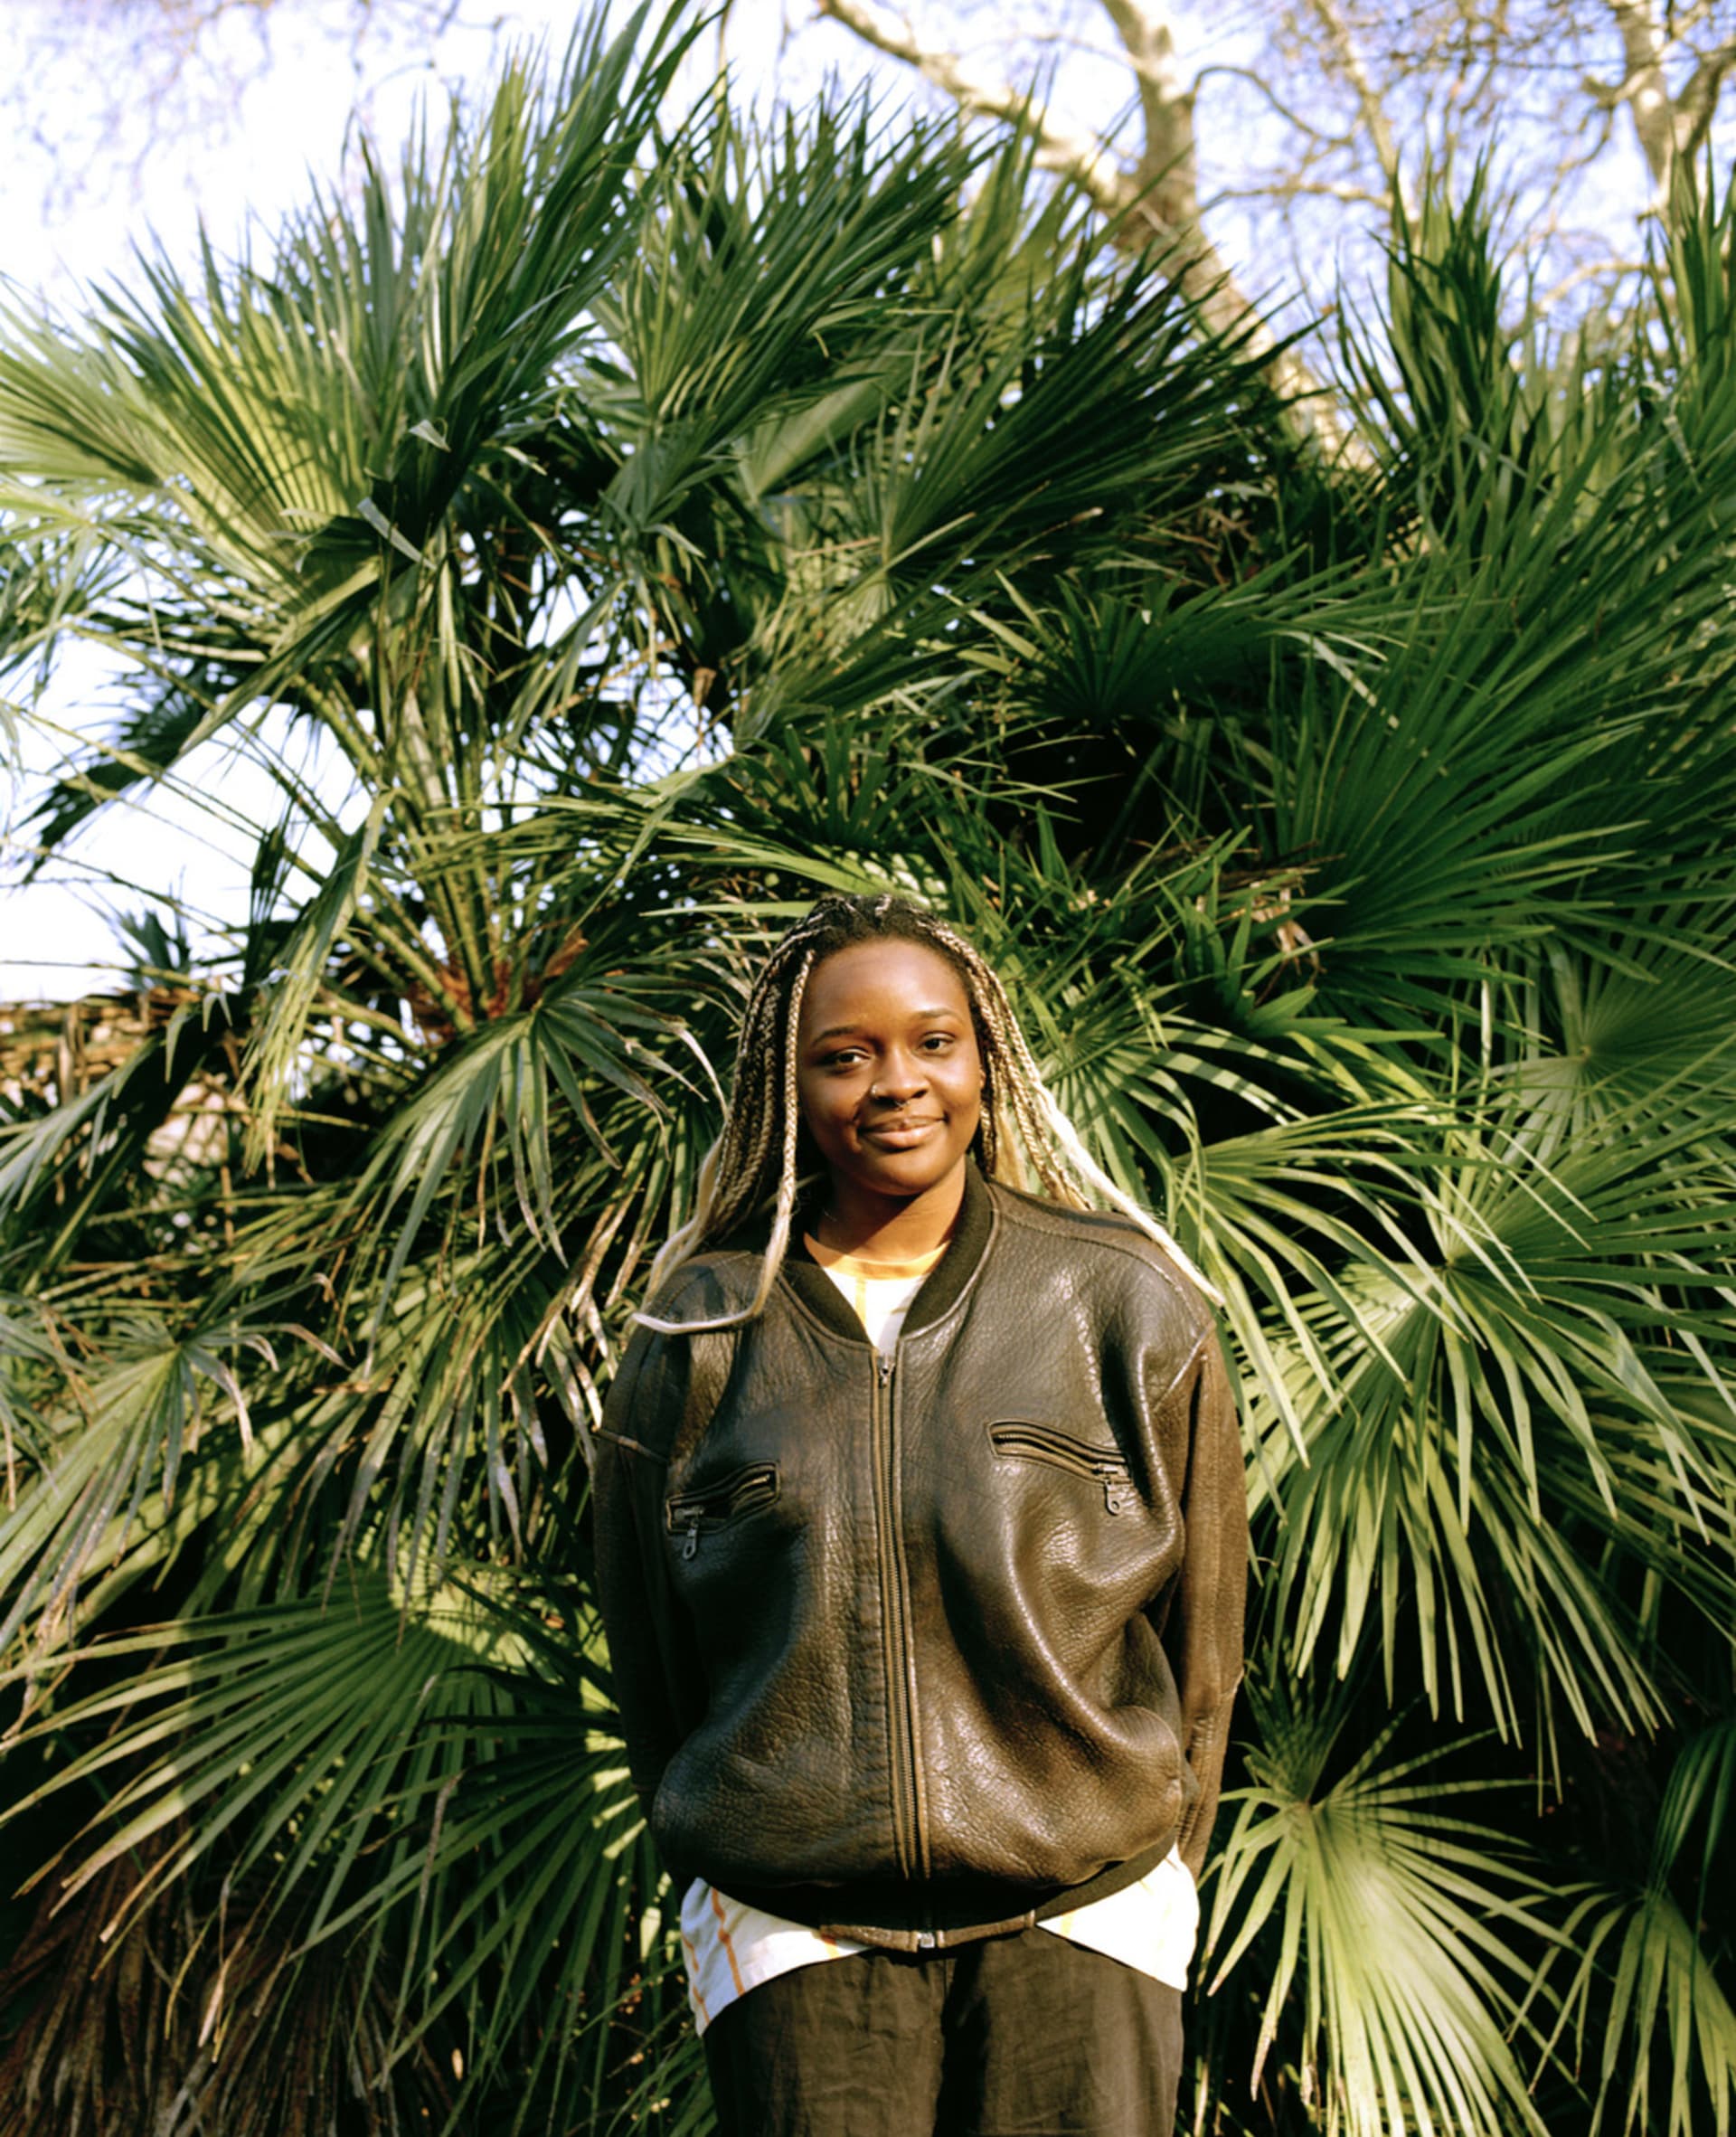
{"x":941,"y":1289}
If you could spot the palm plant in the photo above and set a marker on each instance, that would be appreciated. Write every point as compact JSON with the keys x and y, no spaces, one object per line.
{"x":648,"y":523}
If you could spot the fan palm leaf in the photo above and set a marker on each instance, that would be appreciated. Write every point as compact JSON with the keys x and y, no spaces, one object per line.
{"x":607,"y":531}
{"x":1401,"y":1924}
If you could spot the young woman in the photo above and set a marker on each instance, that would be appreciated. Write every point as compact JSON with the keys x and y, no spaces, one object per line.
{"x":922,"y":1544}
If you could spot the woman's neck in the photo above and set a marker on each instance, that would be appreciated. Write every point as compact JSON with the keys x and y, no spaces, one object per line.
{"x":889,"y":1227}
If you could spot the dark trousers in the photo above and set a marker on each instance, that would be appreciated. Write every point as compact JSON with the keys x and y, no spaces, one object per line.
{"x":1023,"y":2036}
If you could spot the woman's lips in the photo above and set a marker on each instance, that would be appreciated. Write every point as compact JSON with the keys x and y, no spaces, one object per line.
{"x":898,"y":1135}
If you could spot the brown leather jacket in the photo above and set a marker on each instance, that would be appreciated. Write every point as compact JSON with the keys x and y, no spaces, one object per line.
{"x":924,"y":1649}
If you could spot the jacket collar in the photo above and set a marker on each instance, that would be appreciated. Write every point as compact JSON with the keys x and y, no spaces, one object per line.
{"x":941,"y":1289}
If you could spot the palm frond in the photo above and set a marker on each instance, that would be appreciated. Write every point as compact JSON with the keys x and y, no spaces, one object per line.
{"x":1401,"y":1925}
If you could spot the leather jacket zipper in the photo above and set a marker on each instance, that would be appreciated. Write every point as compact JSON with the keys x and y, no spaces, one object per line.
{"x":1062,"y":1450}
{"x":687,"y":1514}
{"x":906,"y":1786}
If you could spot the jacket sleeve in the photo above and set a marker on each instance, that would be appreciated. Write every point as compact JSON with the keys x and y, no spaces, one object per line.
{"x":653,"y":1662}
{"x":1203,"y":1631}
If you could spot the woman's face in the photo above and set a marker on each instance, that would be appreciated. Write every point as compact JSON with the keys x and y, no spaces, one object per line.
{"x":888,"y":1070}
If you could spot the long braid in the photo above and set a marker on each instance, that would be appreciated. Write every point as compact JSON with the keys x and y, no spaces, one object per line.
{"x":1055,"y":1146}
{"x":778,"y":1244}
{"x":736,"y":1177}
{"x":754,"y":1160}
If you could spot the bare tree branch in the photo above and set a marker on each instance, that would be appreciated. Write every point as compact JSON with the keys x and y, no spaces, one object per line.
{"x":1154,"y":202}
{"x":1277,"y":133}
{"x":1698,"y":101}
{"x":1168,"y":173}
{"x":1319,"y":189}
{"x":109,"y":81}
{"x":1356,"y":73}
{"x":1291,"y":114}
{"x":1073,"y":156}
{"x":1645,"y":90}
{"x":1613,"y":267}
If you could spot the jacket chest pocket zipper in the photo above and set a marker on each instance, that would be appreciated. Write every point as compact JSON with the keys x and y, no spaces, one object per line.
{"x":742,"y":1491}
{"x":1062,"y":1450}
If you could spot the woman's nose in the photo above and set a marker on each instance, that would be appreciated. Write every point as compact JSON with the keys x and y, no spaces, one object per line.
{"x":900,"y":1076}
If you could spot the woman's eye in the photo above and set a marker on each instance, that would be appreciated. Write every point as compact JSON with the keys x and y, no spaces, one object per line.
{"x":938,"y":1041}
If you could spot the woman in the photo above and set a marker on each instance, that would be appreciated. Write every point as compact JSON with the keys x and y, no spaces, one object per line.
{"x":922,"y":1545}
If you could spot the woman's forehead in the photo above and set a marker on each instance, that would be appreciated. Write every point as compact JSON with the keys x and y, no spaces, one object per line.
{"x":890,"y":976}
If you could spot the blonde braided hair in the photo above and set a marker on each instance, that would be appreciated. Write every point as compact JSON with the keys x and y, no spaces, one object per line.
{"x":754,"y":1160}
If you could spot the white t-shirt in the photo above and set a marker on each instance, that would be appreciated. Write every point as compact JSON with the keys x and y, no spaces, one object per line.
{"x":729,"y":1948}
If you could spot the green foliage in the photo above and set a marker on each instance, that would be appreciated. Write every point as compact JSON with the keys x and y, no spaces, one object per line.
{"x":1399,"y":1918}
{"x":653,"y":524}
